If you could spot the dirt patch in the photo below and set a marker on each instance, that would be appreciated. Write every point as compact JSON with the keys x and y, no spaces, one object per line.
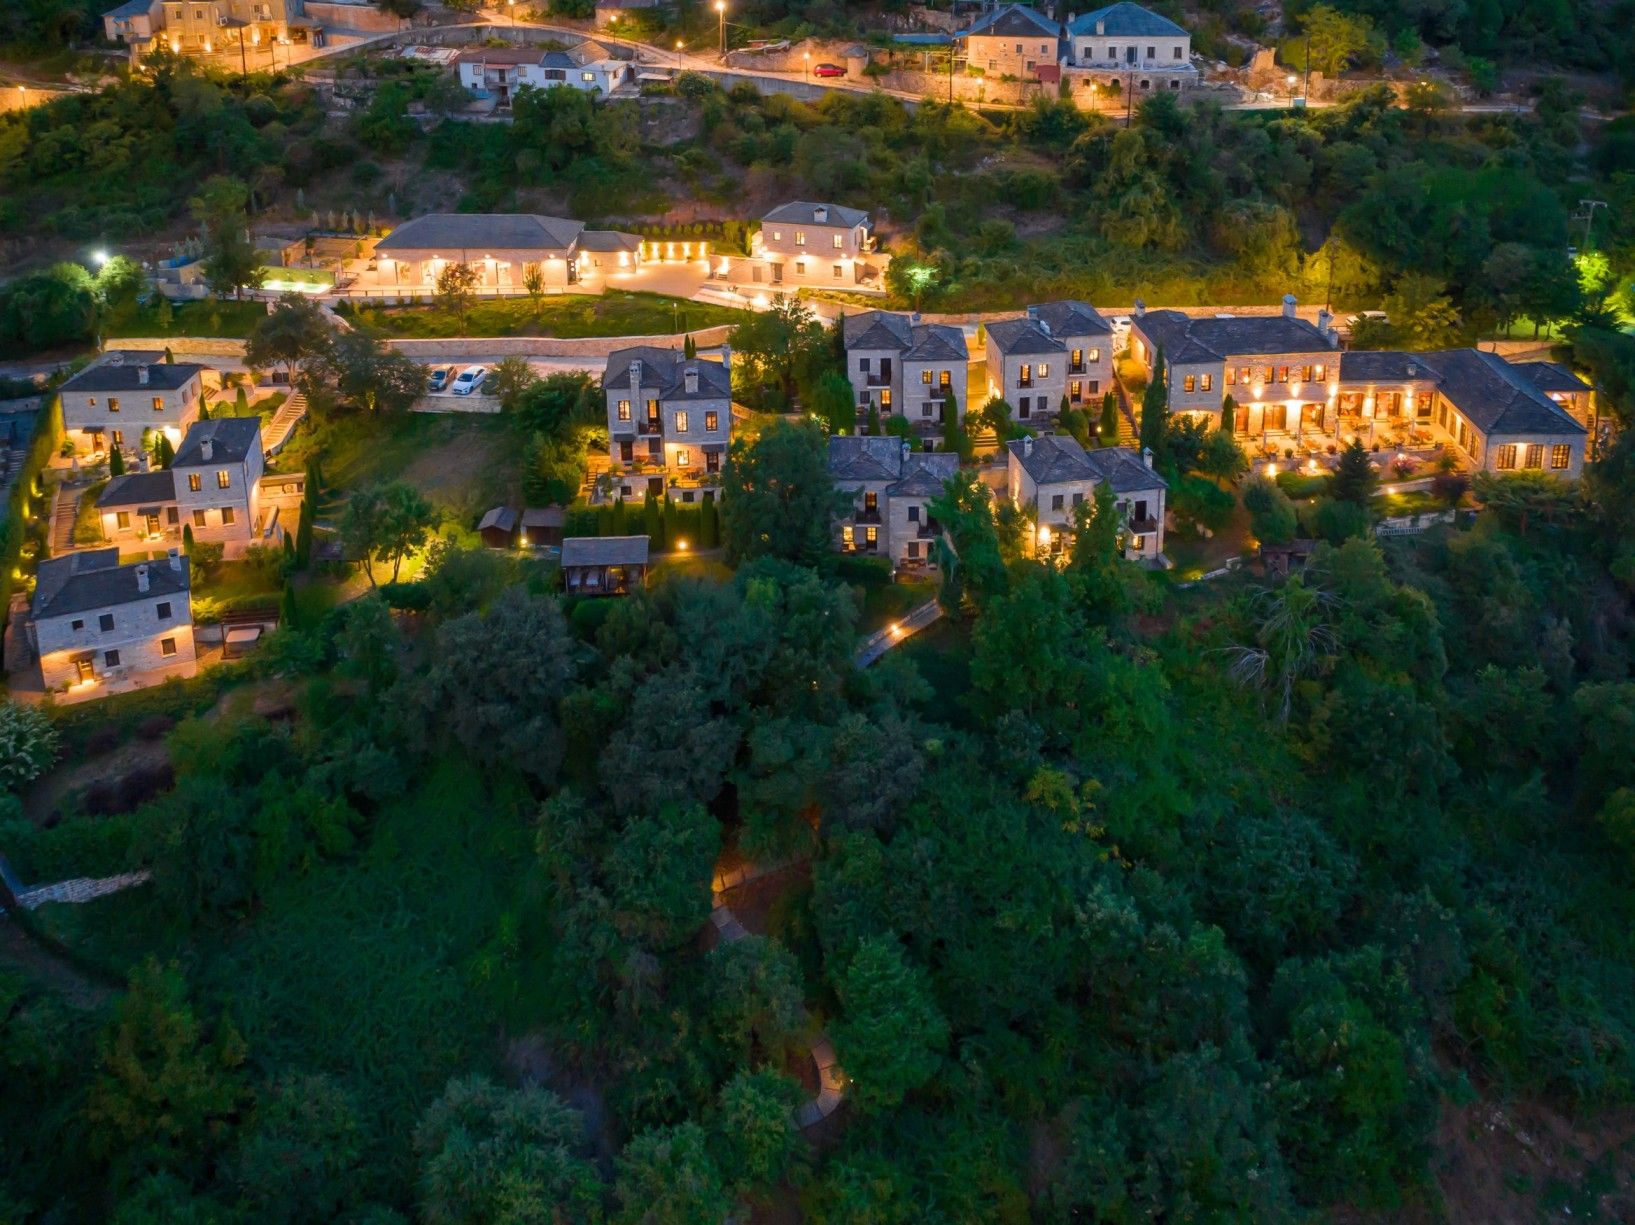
{"x":101,"y":775}
{"x":465,"y":471}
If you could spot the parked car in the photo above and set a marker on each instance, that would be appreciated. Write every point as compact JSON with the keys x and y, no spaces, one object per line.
{"x":440,"y":378}
{"x":470,"y":379}
{"x":828,"y":70}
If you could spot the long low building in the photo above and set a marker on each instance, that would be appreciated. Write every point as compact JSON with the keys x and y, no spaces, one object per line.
{"x":504,"y":249}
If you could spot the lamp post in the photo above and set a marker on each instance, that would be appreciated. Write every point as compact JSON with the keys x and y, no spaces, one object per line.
{"x":721,"y":12}
{"x":807,"y":56}
{"x":1292,"y":79}
{"x":511,"y":11}
{"x":679,"y":46}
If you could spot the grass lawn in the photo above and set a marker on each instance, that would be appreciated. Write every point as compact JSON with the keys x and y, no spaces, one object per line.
{"x":87,"y":523}
{"x":672,"y":566}
{"x":1409,"y":502}
{"x":883,"y":603}
{"x":1195,"y":555}
{"x":208,"y":318}
{"x":569,"y":315}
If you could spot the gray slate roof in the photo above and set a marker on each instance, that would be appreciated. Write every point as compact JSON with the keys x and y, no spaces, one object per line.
{"x":804,"y":212}
{"x":604,"y":551}
{"x":920,"y":341}
{"x":1023,"y":337}
{"x":924,"y":474}
{"x":138,"y":489}
{"x":1070,"y":317}
{"x":1185,"y":339}
{"x":1384,"y":366}
{"x":479,"y":232}
{"x":80,"y":582}
{"x":666,"y":370}
{"x":1013,"y":20}
{"x":854,"y":458}
{"x":608,"y":240}
{"x":1552,"y":376}
{"x":1497,"y":397}
{"x":1055,"y":459}
{"x":123,"y":375}
{"x":1125,"y":20}
{"x":131,"y":8}
{"x":232,"y":439}
{"x":502,"y":517}
{"x":1125,"y":470}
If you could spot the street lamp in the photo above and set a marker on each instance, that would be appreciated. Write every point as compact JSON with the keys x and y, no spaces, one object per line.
{"x":721,"y":12}
{"x":511,"y":10}
{"x":807,"y":56}
{"x":99,"y":257}
{"x":679,"y":46}
{"x":1292,"y":79}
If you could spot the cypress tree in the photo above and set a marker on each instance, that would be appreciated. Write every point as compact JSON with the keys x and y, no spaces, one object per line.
{"x":204,"y":411}
{"x":288,"y":614}
{"x":672,"y":523}
{"x":241,"y":403}
{"x":652,"y":523}
{"x":1154,"y":411}
{"x":709,"y":524}
{"x":116,"y":462}
{"x":621,"y":526}
{"x":187,"y":539}
{"x":289,"y":547}
{"x":170,"y":358}
{"x":303,"y":540}
{"x":1109,"y":419}
{"x":1229,"y":413}
{"x":604,"y":520}
{"x":689,"y":347}
{"x":872,"y":427}
{"x":1354,"y":477}
{"x":164,"y":454}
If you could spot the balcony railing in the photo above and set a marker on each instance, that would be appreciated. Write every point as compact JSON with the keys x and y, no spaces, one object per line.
{"x":866,"y":516}
{"x":652,"y":425}
{"x":877,"y":380}
{"x":1026,"y":382}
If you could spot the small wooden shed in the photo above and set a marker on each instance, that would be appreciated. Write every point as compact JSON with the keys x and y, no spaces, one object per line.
{"x":542,"y":526}
{"x":499,"y":528}
{"x":604,"y":565}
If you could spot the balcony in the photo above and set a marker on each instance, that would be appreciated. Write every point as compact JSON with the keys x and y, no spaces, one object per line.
{"x":653,"y":426}
{"x":1078,"y":368}
{"x":1024,"y":383}
{"x":866,"y":516}
{"x":877,"y":380}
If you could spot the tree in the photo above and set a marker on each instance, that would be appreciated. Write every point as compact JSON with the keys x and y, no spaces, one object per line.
{"x":1271,"y":514}
{"x":533,"y":284}
{"x":512,"y":378}
{"x":28,"y":744}
{"x":118,"y":285}
{"x":996,"y":416}
{"x":753,"y":1125}
{"x":658,"y":874}
{"x":778,"y":497}
{"x":667,"y":1177}
{"x":1421,"y":313}
{"x":835,"y":403}
{"x":1222,"y":458}
{"x":231,"y":263}
{"x":1292,"y":638}
{"x":488,"y":1153}
{"x":755,"y":1004}
{"x":892,"y":1035}
{"x":1109,"y":419}
{"x":116,"y":461}
{"x":778,"y":349}
{"x":386,"y":523}
{"x":1155,"y":412}
{"x":1229,"y":415}
{"x":456,"y":292}
{"x":362,"y":528}
{"x":1335,"y":38}
{"x":166,"y":1085}
{"x":368,"y":643}
{"x":289,"y":612}
{"x":1355,"y":479}
{"x":372,"y":374}
{"x":294,"y":334}
{"x":1519,"y":497}
{"x":298,"y":1159}
{"x":969,"y":557}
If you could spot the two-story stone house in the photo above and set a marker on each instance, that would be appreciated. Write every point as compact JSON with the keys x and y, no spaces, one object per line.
{"x":1130,"y":48}
{"x":212,"y":486}
{"x":113,"y":403}
{"x":1277,"y":368}
{"x":903,"y":367}
{"x":892,"y":487}
{"x":499,"y":72}
{"x":96,"y":622}
{"x":1053,"y":475}
{"x":1013,"y":40}
{"x":1027,"y":362}
{"x":811,"y":243}
{"x":1088,"y":341}
{"x":1496,"y":414}
{"x":669,"y":420}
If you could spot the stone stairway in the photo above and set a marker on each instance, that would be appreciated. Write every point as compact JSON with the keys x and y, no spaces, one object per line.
{"x":290,"y":414}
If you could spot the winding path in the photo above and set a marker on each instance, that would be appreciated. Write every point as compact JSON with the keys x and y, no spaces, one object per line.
{"x":898,"y":632}
{"x":831,"y":1080}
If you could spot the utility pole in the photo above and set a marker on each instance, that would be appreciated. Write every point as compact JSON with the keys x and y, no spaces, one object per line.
{"x":721,"y":12}
{"x":1306,"y":88}
{"x":1589,"y":207}
{"x":243,"y":58}
{"x":1129,"y":97}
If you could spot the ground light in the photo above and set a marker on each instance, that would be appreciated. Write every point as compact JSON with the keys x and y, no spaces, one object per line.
{"x":99,"y":257}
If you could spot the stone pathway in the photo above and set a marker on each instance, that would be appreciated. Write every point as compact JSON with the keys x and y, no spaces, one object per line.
{"x":831,"y":1080}
{"x":284,"y":421}
{"x":79,"y":889}
{"x":64,"y":509}
{"x":896,"y":633}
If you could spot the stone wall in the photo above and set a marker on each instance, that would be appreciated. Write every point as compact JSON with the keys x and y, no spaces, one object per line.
{"x":455,"y":348}
{"x":179,"y":346}
{"x":365,"y":17}
{"x":967,"y":89}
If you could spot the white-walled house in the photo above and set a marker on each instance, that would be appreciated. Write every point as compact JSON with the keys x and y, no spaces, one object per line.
{"x":813,"y":243}
{"x":499,"y":72}
{"x":903,"y":367}
{"x":669,"y":421}
{"x":114,"y":402}
{"x":502,"y":248}
{"x":96,"y":622}
{"x":213,"y":486}
{"x":1126,"y":47}
{"x":1052,"y":476}
{"x":892,"y":487}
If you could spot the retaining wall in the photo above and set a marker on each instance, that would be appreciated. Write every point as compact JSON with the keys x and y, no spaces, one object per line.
{"x":179,"y":346}
{"x":456,"y":347}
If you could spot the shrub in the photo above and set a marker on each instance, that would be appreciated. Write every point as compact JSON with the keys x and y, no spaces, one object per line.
{"x":1271,"y":514}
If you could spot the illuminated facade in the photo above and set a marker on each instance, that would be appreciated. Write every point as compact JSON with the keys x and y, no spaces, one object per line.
{"x":209,"y":27}
{"x":115,"y":402}
{"x":97,"y":624}
{"x":669,"y":421}
{"x":502,"y":248}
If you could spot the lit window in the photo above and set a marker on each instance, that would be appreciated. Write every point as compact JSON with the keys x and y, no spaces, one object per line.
{"x":228,"y":518}
{"x":925,"y":376}
{"x":119,"y":438}
{"x":1044,"y":370}
{"x":839,"y":272}
{"x":194,"y":483}
{"x":158,"y":404}
{"x":684,"y":458}
{"x":1208,"y":382}
{"x":113,"y":404}
{"x":712,"y":421}
{"x":840,"y":242}
{"x":1535,"y":455}
{"x":1507,"y":457}
{"x":800,"y":238}
{"x":624,"y":410}
{"x":1231,"y":376}
{"x":846,"y":535}
{"x":946,"y":379}
{"x":1189,"y":383}
{"x":1282,"y":374}
{"x":123,"y":519}
{"x":587,"y":76}
{"x":224,"y":479}
{"x":1319,"y":373}
{"x":1561,"y":456}
{"x":872,"y":534}
{"x":681,"y":423}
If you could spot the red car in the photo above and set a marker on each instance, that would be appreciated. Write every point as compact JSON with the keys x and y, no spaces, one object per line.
{"x":828,"y":70}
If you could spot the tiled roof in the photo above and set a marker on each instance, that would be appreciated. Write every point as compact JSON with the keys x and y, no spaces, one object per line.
{"x":608,"y":240}
{"x":1054,"y":459}
{"x":938,"y":342}
{"x":479,"y":232}
{"x":1071,"y":317}
{"x":80,"y":582}
{"x":1124,"y":469}
{"x":1022,"y":336}
{"x":1552,"y":376}
{"x":1497,"y":397}
{"x":921,"y":341}
{"x":874,"y":458}
{"x":131,"y":8}
{"x":124,"y":374}
{"x":1384,"y":366}
{"x":231,"y":440}
{"x":501,"y":55}
{"x":1125,"y":20}
{"x":805,"y":212}
{"x":138,"y":489}
{"x":1185,"y":339}
{"x":666,"y":369}
{"x":1011,"y":21}
{"x":502,"y":517}
{"x":604,"y":551}
{"x":924,"y":473}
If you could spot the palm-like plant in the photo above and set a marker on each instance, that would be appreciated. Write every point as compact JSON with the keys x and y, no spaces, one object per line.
{"x":1292,"y":639}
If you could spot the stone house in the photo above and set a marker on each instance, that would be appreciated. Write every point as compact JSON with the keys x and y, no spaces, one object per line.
{"x":502,"y":247}
{"x":114,"y":402}
{"x":97,"y":622}
{"x":1124,"y":47}
{"x":1053,"y":475}
{"x":209,"y":27}
{"x":904,"y":367}
{"x":1013,"y":40}
{"x":1278,"y":369}
{"x":812,"y":243}
{"x":213,"y":486}
{"x":892,"y":487}
{"x":1057,"y":349}
{"x":669,"y":421}
{"x":499,"y":72}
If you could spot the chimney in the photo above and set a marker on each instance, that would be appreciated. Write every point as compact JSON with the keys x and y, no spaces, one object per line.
{"x":1101,"y":28}
{"x":1027,"y":447}
{"x":116,"y":359}
{"x":206,"y":448}
{"x":635,"y":375}
{"x":689,"y":380}
{"x":1044,"y":325}
{"x":176,"y":560}
{"x":142,"y":579}
{"x":914,"y":319}
{"x":906,"y":449}
{"x":726,"y":357}
{"x":1140,"y":308}
{"x":1289,"y":303}
{"x":142,"y":376}
{"x":1146,"y":456}
{"x":820,"y":214}
{"x":1323,"y":321}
